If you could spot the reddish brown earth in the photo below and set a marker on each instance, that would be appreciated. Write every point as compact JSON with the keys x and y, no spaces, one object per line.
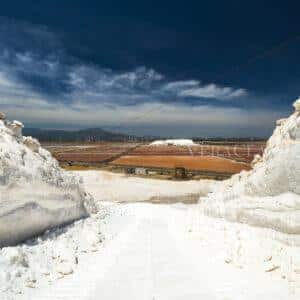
{"x":89,"y":153}
{"x":239,"y":152}
{"x":204,"y":163}
{"x":218,"y":157}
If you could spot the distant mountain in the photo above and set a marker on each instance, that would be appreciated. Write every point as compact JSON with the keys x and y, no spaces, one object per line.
{"x":85,"y":135}
{"x":98,"y":134}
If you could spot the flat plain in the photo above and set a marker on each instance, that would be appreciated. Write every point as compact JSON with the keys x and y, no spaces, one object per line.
{"x":218,"y":157}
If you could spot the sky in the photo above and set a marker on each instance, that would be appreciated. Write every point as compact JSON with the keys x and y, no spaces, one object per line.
{"x":169,"y":68}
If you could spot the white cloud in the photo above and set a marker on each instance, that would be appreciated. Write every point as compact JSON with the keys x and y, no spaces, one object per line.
{"x":194,"y":88}
{"x":50,"y":75}
{"x":179,"y":85}
{"x":213,"y":91}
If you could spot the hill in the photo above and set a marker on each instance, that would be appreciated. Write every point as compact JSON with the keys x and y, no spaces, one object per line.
{"x":84,"y":135}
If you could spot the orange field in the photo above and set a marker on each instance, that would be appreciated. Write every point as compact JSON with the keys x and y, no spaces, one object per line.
{"x":203,"y":163}
{"x":239,"y":152}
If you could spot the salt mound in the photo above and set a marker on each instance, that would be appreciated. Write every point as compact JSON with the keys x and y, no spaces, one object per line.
{"x":35,"y":193}
{"x":268,"y":195}
{"x":183,"y":142}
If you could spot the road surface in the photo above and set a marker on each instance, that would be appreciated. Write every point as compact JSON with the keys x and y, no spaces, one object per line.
{"x":156,"y":255}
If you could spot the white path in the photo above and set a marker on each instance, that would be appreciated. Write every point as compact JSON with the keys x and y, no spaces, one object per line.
{"x":157,"y":257}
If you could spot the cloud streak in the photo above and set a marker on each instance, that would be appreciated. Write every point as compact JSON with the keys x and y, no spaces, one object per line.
{"x":213,"y":91}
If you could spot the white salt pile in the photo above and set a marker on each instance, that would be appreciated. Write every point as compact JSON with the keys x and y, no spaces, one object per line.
{"x":181,"y":142}
{"x":268,"y":195}
{"x":35,"y":193}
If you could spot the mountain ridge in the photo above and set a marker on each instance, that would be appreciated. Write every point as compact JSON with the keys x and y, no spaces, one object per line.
{"x":82,"y":135}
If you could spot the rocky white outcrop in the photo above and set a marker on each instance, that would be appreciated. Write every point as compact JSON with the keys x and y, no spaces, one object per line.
{"x":35,"y":193}
{"x":16,"y":128}
{"x":297,"y":105}
{"x":269,"y":194}
{"x":32,"y":144}
{"x":257,"y":158}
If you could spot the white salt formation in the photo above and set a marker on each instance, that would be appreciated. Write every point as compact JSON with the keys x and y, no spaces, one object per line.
{"x":2,"y":116}
{"x":268,"y":195}
{"x":16,"y":128}
{"x":35,"y":193}
{"x":297,"y":105}
{"x":182,"y":142}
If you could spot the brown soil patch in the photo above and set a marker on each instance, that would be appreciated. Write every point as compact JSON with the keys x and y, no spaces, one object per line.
{"x":205,"y":163}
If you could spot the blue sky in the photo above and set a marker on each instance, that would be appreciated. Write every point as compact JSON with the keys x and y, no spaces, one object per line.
{"x":193,"y":68}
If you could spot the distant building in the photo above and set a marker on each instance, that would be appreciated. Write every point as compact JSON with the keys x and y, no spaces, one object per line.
{"x":129,"y":170}
{"x":141,"y":171}
{"x":180,"y":173}
{"x":136,"y":171}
